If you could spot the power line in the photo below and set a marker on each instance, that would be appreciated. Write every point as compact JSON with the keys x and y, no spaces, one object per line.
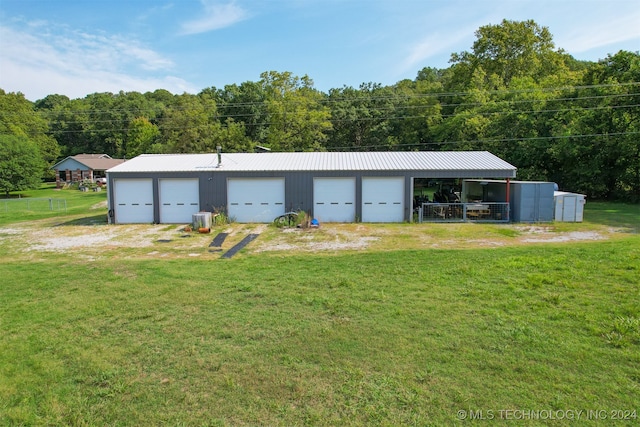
{"x":495,"y":114}
{"x":468,"y":107}
{"x":484,"y":141}
{"x":376,"y":108}
{"x":397,"y":96}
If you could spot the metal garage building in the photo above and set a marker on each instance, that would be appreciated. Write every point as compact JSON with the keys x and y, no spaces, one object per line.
{"x":257,"y":187}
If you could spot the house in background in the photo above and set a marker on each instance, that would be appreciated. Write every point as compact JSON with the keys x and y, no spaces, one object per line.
{"x":83,"y":166}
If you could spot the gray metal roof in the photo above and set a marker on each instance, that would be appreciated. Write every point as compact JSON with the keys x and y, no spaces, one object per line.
{"x":319,"y":161}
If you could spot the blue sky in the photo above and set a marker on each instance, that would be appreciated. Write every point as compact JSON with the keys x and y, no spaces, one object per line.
{"x":77,"y":47}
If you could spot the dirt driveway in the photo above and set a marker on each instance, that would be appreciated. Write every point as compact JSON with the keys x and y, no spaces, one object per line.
{"x":91,"y":238}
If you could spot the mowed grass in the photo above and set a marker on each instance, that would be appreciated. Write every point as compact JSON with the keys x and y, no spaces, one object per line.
{"x":393,"y":337}
{"x":65,"y":202}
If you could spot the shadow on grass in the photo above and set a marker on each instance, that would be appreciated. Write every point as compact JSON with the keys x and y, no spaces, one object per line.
{"x":100,"y":219}
{"x":619,"y":215}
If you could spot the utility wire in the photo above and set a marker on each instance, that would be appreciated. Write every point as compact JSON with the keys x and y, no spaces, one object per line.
{"x":482,"y":141}
{"x":367,"y":99}
{"x":494,"y":114}
{"x":374,"y":108}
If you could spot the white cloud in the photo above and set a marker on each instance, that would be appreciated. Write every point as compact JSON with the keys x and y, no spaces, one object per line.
{"x":429,"y":47}
{"x":216,"y":16}
{"x":605,"y":32}
{"x":106,"y":52}
{"x":43,"y":62}
{"x":434,"y":45}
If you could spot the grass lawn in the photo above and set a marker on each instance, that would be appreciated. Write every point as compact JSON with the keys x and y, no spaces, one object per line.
{"x":400,"y":336}
{"x":64,"y":203}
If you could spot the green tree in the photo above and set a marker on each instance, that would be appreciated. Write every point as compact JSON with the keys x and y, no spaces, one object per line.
{"x":232,"y":138}
{"x":18,"y":117}
{"x":363,"y":118}
{"x":51,"y":102}
{"x":600,"y":153}
{"x":468,"y":116}
{"x":244,"y":104}
{"x":509,"y":50}
{"x":21,"y":164}
{"x":417,"y":111}
{"x":99,"y":127}
{"x":109,"y":118}
{"x":141,"y":137}
{"x":68,"y":121}
{"x":506,"y":96}
{"x":298,"y":121}
{"x":190,"y":125}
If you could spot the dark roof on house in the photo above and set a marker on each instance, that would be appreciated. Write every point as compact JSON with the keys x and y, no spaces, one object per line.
{"x":91,"y":156}
{"x":99,"y":162}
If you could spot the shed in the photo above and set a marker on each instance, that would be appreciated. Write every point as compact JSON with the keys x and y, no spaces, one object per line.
{"x":568,"y":207}
{"x":83,"y":166}
{"x":257,"y":187}
{"x":532,"y":201}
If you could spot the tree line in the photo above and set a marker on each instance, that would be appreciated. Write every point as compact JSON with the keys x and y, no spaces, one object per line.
{"x":576,"y":123}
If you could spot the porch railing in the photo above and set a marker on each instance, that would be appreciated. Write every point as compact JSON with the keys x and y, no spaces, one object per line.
{"x":463,"y":212}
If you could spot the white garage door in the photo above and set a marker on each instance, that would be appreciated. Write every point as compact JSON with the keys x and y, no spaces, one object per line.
{"x":133,"y":201}
{"x":334,"y":199}
{"x":383,"y":199}
{"x":179,"y":199}
{"x":255,"y":199}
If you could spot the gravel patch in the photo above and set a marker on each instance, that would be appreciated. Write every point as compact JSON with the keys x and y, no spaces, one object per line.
{"x":52,"y":237}
{"x":566,"y":237}
{"x":164,"y":240}
{"x":10,"y":231}
{"x":311,"y":246}
{"x":63,"y":244}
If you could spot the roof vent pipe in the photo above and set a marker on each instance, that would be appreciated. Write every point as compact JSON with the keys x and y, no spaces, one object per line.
{"x":219,"y":150}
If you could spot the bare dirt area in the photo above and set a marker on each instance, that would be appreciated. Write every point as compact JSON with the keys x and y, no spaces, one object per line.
{"x":332,"y":237}
{"x":536,"y":234}
{"x":83,"y":236}
{"x":339,"y":237}
{"x":92,"y":238}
